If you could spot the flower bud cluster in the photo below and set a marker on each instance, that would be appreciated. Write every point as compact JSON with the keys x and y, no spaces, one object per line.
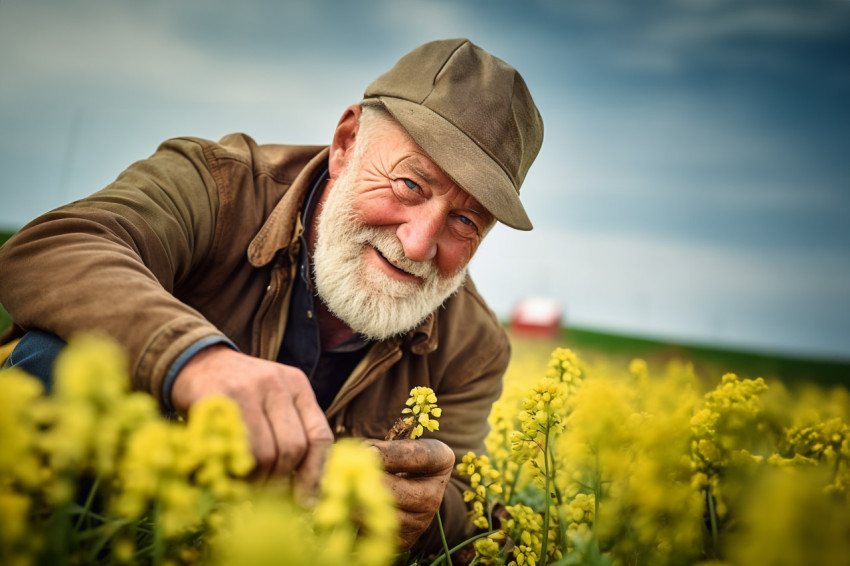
{"x":355,"y":501}
{"x":483,"y":478}
{"x":815,"y":442}
{"x":175,"y":467}
{"x":542,"y":414}
{"x":526,"y":528}
{"x":564,"y":367}
{"x":726,"y":429}
{"x":423,"y":411}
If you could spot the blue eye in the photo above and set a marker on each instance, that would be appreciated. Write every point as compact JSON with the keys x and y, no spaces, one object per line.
{"x":410,"y":184}
{"x":466,"y":220}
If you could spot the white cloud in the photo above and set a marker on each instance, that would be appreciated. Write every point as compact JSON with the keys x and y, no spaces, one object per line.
{"x":117,"y":49}
{"x":678,"y":290}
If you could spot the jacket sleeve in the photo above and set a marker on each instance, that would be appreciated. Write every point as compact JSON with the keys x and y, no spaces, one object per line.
{"x":109,"y":263}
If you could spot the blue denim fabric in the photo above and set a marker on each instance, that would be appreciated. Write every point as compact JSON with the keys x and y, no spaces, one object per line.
{"x":35,"y":354}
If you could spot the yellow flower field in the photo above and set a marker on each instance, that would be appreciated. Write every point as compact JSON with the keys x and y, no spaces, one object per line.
{"x":601,"y":463}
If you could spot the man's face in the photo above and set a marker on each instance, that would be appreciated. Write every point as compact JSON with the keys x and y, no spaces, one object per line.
{"x":395,"y":235}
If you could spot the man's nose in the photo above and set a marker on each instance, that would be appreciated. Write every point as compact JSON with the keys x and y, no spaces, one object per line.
{"x":419,"y":235}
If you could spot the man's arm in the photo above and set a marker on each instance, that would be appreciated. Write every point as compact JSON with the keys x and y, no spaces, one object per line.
{"x":109,"y":263}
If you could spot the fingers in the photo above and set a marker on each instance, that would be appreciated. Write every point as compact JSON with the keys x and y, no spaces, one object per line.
{"x":288,"y":430}
{"x":417,"y":494}
{"x":418,"y":474}
{"x":425,"y":456}
{"x":263,"y":442}
{"x":285,"y":440}
{"x":300,"y":431}
{"x":319,"y":439}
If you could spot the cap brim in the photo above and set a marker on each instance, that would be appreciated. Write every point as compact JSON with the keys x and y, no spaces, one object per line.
{"x":462,"y":160}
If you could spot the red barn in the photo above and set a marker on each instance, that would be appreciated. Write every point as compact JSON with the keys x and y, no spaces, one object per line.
{"x":539,"y":316}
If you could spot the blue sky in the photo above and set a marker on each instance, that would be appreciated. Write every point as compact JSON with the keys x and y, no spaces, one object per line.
{"x":693,"y":183}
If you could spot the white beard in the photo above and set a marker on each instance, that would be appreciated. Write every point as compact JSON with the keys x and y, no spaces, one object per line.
{"x":369,"y":301}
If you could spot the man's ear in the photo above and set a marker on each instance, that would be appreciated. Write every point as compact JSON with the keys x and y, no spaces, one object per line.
{"x":344,"y":139}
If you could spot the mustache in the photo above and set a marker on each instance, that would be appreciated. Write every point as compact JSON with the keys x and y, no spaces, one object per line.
{"x":389,"y":246}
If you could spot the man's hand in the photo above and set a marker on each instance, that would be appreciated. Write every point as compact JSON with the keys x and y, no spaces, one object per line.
{"x":418,"y":472}
{"x":287,"y":428}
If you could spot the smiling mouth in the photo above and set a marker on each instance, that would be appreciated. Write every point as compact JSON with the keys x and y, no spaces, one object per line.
{"x":394,"y":266}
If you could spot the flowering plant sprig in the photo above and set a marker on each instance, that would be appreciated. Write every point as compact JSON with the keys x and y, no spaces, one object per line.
{"x":483,"y":478}
{"x":423,"y":412}
{"x":421,"y":407}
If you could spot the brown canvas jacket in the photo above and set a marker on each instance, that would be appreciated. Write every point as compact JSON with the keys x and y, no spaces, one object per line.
{"x":200,"y":240}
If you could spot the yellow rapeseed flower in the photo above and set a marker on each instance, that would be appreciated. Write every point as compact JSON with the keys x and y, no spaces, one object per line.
{"x":525,"y":527}
{"x":92,"y":369}
{"x":487,"y":550}
{"x":19,"y":429}
{"x":423,"y":411}
{"x":354,"y":501}
{"x":483,"y":479}
{"x":785,"y":518}
{"x":565,"y":367}
{"x":728,"y":421}
{"x":18,"y":540}
{"x":268,"y":532}
{"x":217,"y":447}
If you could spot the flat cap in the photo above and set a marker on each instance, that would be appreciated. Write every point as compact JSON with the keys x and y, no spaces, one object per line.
{"x":472,"y":114}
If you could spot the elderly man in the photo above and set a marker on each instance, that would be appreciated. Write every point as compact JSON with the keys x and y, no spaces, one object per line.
{"x":315,"y":286}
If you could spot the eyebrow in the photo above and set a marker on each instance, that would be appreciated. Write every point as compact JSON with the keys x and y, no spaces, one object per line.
{"x":414,"y":163}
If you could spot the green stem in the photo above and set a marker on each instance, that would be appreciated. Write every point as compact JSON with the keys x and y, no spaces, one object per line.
{"x":441,"y":558}
{"x":443,"y":538}
{"x":489,"y":510}
{"x":88,"y":504}
{"x":158,"y":541}
{"x":99,"y":531}
{"x":597,"y":495}
{"x":58,"y":537}
{"x":106,"y":533}
{"x":513,"y":483}
{"x":836,"y":468}
{"x":712,"y":515}
{"x":547,"y":498}
{"x":559,"y":498}
{"x":562,"y":526}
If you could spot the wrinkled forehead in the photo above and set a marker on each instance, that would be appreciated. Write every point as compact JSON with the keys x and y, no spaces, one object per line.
{"x":417,"y":160}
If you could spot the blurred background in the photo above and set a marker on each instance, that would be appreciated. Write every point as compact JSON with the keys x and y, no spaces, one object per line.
{"x":693,"y":185}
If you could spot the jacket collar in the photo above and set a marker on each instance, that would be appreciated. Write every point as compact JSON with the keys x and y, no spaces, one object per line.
{"x":423,"y":339}
{"x":280,"y":229}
